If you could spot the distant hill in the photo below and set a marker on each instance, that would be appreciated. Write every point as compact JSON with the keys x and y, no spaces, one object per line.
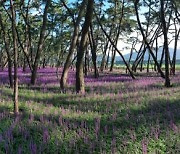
{"x":118,"y":58}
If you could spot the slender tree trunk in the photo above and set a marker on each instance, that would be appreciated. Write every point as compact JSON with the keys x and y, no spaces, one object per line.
{"x":162,"y":57}
{"x":15,"y":47}
{"x":142,"y":59}
{"x":131,"y":53}
{"x":44,"y":62}
{"x":137,"y":61}
{"x":112,"y":60}
{"x":40,"y":44}
{"x":148,"y":63}
{"x":93,"y":45}
{"x":175,"y":52}
{"x":145,"y":40}
{"x":63,"y":81}
{"x":27,"y":45}
{"x":115,"y":48}
{"x":6,"y":42}
{"x":155,"y":67}
{"x":166,"y":48}
{"x":86,"y":64}
{"x":140,"y":54}
{"x":80,"y":87}
{"x":104,"y":57}
{"x":107,"y":60}
{"x":25,"y":49}
{"x":118,"y":33}
{"x":24,"y":64}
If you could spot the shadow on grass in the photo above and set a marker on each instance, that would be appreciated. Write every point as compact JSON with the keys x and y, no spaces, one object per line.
{"x":121,"y":131}
{"x":83,"y":103}
{"x":76,"y":101}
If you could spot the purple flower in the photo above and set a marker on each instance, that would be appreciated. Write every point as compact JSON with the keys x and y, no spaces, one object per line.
{"x":173,"y":126}
{"x":45,"y":136}
{"x":144,"y":146}
{"x":19,"y":150}
{"x":97,"y":126}
{"x":33,"y":148}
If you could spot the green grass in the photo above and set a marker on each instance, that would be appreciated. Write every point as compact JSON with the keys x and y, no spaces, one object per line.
{"x":129,"y":118}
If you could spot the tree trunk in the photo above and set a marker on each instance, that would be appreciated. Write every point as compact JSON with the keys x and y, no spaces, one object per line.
{"x":86,"y":64}
{"x":112,"y":60}
{"x":15,"y":47}
{"x":40,"y":44}
{"x":24,"y":64}
{"x":63,"y":81}
{"x":6,"y":42}
{"x":93,"y":45}
{"x":155,"y":67}
{"x":175,"y":51}
{"x":80,"y":88}
{"x":137,"y":60}
{"x":107,"y":60}
{"x":142,"y":59}
{"x":131,"y":53}
{"x":115,"y":47}
{"x":118,"y":33}
{"x":148,"y":63}
{"x":166,"y":48}
{"x":145,"y":40}
{"x":104,"y":57}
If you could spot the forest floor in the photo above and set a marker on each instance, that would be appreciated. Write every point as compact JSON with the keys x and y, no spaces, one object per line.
{"x":116,"y":115}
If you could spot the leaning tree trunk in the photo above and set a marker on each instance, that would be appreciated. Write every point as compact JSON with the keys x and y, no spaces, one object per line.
{"x":80,"y":88}
{"x":113,"y":60}
{"x":6,"y":43}
{"x":15,"y":47}
{"x":93,"y":45}
{"x":103,"y":62}
{"x":145,"y":39}
{"x":166,"y":48}
{"x":162,"y":57}
{"x":138,"y":58}
{"x":86,"y":64}
{"x":131,"y":53}
{"x":175,"y":50}
{"x":63,"y":81}
{"x":142,"y":59}
{"x":40,"y":44}
{"x":115,"y":47}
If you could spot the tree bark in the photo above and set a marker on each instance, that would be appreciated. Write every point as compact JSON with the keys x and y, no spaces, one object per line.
{"x":6,"y":43}
{"x":166,"y":48}
{"x":63,"y":81}
{"x":104,"y":57}
{"x":115,"y":48}
{"x":177,"y":33}
{"x":15,"y":47}
{"x":107,"y":60}
{"x":93,"y":45}
{"x":118,"y":33}
{"x":80,"y":87}
{"x":40,"y":44}
{"x":145,"y":40}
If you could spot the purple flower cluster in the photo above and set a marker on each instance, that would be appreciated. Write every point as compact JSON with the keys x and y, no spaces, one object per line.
{"x":116,"y":115}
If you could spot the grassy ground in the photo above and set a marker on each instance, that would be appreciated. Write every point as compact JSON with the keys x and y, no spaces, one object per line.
{"x":116,"y":115}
